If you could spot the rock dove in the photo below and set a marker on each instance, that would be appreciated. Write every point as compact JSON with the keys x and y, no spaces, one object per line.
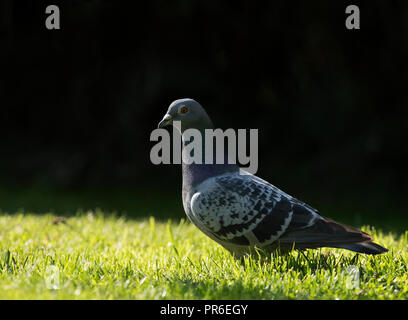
{"x":241,"y":211}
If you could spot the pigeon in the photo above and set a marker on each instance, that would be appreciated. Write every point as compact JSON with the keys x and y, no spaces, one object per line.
{"x":243,"y":212}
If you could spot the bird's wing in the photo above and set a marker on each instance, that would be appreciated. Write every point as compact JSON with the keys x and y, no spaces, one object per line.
{"x":246,"y":210}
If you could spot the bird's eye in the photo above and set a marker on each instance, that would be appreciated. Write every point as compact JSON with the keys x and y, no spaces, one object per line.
{"x":183,"y":110}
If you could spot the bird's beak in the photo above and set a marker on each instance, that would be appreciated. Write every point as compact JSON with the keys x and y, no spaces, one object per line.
{"x":167,"y":119}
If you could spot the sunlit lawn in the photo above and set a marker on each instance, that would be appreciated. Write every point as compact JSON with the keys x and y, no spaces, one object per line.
{"x":99,"y":256}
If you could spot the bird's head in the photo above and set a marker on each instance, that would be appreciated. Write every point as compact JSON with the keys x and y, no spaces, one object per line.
{"x":189,"y":113}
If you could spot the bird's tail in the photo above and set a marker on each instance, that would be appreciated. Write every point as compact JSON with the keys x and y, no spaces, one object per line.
{"x":328,"y":233}
{"x":365,"y":247}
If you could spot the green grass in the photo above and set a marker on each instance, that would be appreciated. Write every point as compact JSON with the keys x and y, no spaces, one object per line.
{"x":97,"y":256}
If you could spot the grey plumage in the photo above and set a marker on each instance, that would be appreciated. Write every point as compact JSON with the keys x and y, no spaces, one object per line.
{"x":240,"y":210}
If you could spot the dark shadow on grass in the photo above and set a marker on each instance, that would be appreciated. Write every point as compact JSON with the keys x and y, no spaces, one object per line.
{"x":305,"y":261}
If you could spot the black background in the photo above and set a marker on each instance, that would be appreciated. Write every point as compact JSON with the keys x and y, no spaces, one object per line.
{"x":78,"y":104}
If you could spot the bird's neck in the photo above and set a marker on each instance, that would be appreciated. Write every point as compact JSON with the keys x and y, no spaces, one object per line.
{"x":195,"y":173}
